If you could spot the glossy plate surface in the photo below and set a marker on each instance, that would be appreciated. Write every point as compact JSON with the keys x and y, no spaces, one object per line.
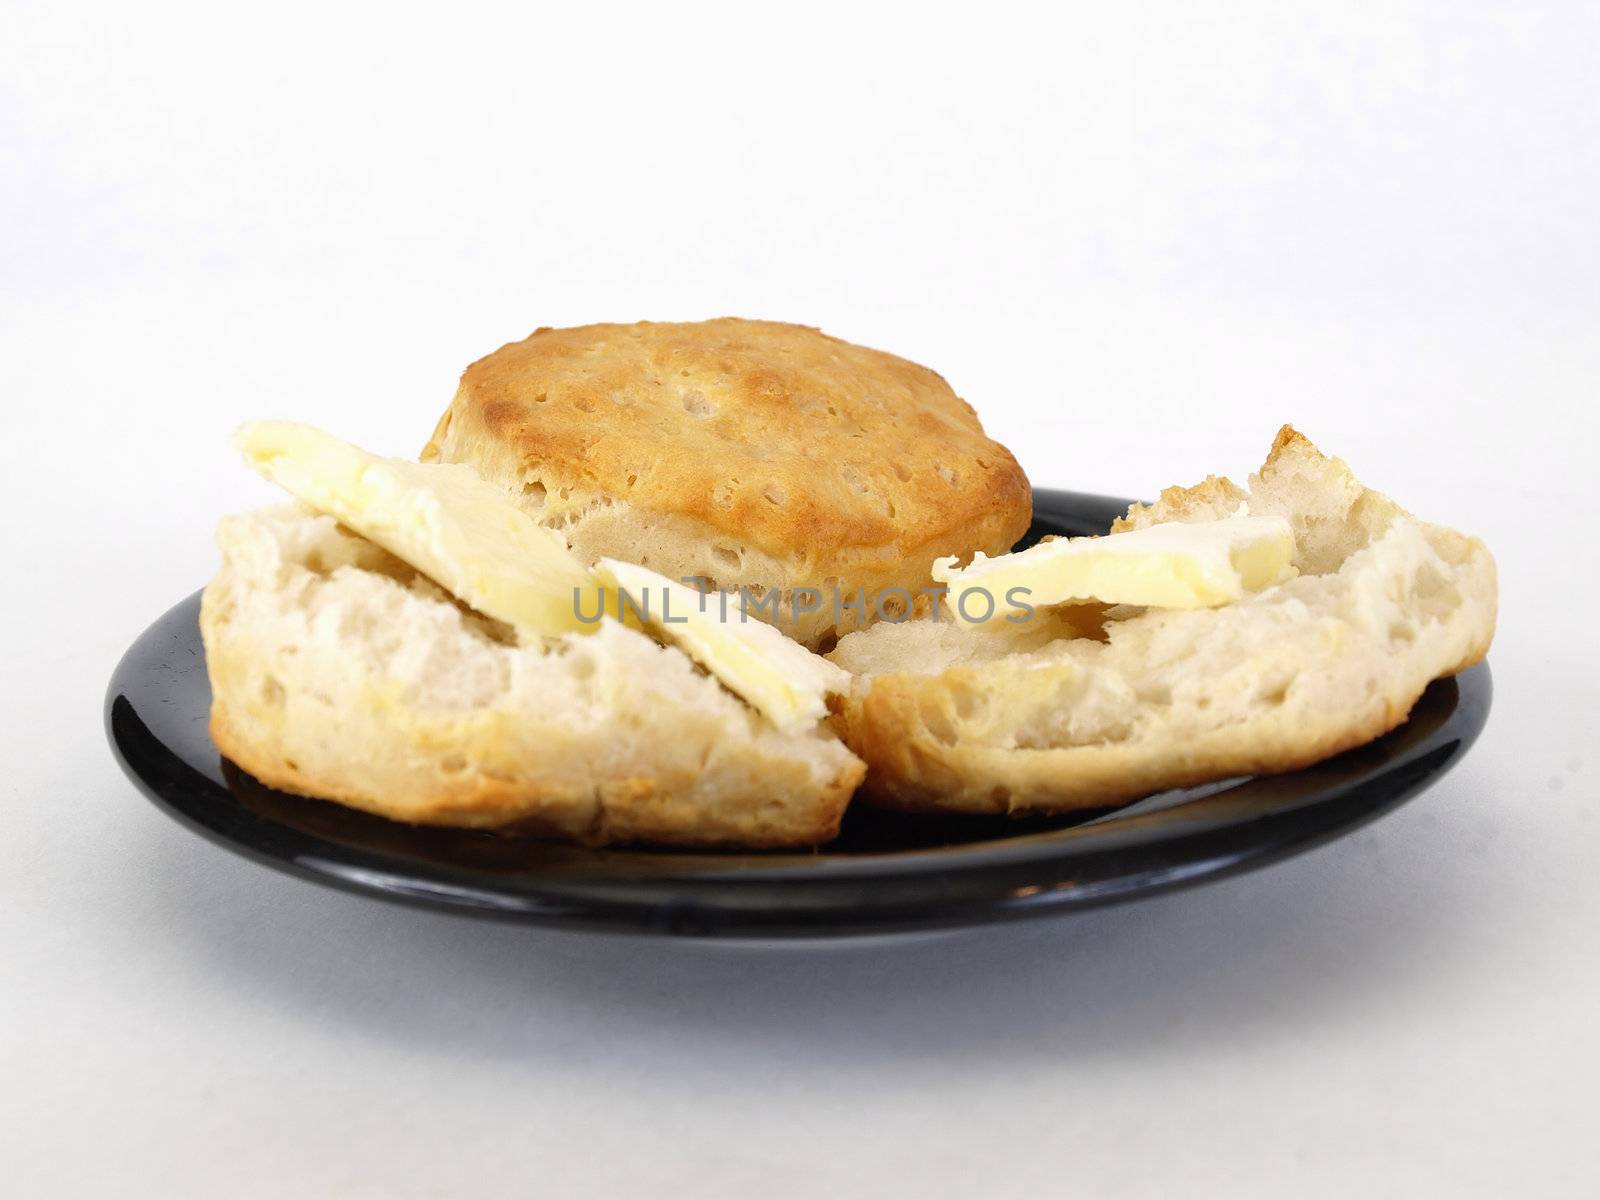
{"x":885,"y":873}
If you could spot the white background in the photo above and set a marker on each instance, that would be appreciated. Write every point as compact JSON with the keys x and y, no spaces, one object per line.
{"x":1137,"y":238}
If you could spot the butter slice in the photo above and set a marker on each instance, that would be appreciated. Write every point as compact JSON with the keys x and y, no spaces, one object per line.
{"x":1176,"y":564}
{"x":775,"y":675}
{"x":447,"y":521}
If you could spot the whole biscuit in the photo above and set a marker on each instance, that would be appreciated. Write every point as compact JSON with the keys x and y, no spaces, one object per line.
{"x":748,"y":453}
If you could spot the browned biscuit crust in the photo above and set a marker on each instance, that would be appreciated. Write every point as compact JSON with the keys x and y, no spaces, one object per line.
{"x":750,"y":452}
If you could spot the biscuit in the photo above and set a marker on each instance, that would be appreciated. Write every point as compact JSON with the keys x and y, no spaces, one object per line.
{"x":744,"y":453}
{"x":1082,"y":709}
{"x":338,"y":671}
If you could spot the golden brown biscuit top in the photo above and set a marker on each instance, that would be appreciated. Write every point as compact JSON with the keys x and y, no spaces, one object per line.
{"x":791,"y":439}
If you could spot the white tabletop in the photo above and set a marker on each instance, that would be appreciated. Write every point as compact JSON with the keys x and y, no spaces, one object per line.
{"x":1136,"y":245}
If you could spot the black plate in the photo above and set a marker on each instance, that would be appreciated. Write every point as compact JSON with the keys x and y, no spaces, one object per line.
{"x":885,"y":873}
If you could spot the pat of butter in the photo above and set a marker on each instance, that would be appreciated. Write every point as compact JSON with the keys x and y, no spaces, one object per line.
{"x":776,"y":676}
{"x":1172,"y":565}
{"x":471,"y":539}
{"x":444,"y":519}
